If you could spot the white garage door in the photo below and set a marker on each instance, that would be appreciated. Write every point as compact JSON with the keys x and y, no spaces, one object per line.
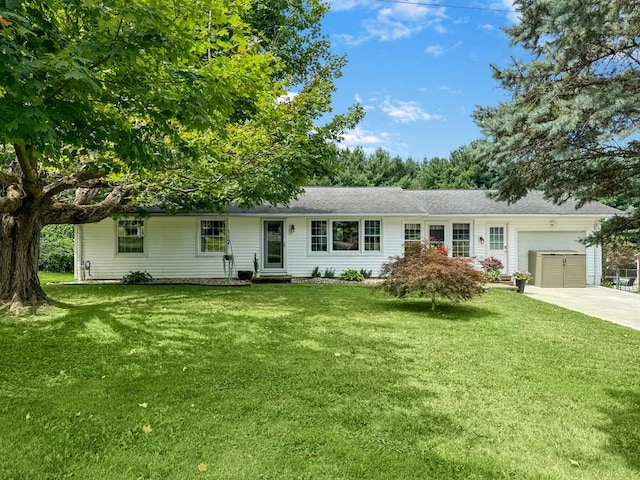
{"x":546,"y":241}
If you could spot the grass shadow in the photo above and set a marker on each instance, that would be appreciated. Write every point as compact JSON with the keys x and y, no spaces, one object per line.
{"x":623,"y":428}
{"x":443,"y":311}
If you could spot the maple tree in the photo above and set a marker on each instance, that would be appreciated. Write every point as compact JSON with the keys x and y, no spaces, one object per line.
{"x":427,"y":271}
{"x":113,"y":105}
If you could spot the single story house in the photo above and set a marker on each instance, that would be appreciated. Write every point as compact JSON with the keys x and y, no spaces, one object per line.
{"x":337,"y":228}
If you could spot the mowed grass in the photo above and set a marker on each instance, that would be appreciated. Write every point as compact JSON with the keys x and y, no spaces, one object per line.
{"x":313,"y":382}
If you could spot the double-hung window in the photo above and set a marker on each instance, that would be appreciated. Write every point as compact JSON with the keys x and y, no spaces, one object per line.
{"x":130,"y":236}
{"x":319,"y":236}
{"x":412,"y":234}
{"x":460,"y":239}
{"x":372,"y":235}
{"x":213,"y":236}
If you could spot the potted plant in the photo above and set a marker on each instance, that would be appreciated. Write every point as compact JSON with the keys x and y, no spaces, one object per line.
{"x":521,"y":277}
{"x":245,"y":275}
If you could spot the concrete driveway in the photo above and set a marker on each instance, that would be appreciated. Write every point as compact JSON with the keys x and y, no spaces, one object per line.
{"x":616,"y":306}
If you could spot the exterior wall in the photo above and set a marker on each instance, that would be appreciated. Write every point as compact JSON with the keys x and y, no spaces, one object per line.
{"x":300,"y":260}
{"x":171,"y":248}
{"x":580,"y":226}
{"x":171,"y":245}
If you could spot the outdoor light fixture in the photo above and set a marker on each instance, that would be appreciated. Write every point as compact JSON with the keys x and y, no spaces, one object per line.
{"x":552,"y":223}
{"x":292,"y":228}
{"x":481,"y":240}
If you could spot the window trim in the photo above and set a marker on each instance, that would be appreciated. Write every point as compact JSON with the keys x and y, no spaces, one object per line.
{"x":199,"y":251}
{"x":361,"y":236}
{"x":371,"y":235}
{"x":143,"y":221}
{"x":468,"y":240}
{"x":326,"y":236}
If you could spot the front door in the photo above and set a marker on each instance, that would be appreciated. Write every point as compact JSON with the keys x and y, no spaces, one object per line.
{"x":273,"y":245}
{"x":498,"y":245}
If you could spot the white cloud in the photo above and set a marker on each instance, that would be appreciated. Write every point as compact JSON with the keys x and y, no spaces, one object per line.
{"x":435,"y":50}
{"x":406,"y":112}
{"x":358,"y":98}
{"x":512,"y":13}
{"x":403,"y":20}
{"x":487,"y":26}
{"x":286,"y":98}
{"x":338,"y":5}
{"x":359,"y":137}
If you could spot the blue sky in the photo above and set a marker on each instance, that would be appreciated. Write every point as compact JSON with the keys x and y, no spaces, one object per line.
{"x":419,"y":69}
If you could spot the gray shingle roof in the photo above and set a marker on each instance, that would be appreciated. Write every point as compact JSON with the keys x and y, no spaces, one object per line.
{"x":396,"y":201}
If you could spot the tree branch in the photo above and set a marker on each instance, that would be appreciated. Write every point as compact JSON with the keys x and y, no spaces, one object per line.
{"x":12,"y":200}
{"x":8,"y":179}
{"x":76,"y":214}
{"x":26,"y":159}
{"x":75,"y":181}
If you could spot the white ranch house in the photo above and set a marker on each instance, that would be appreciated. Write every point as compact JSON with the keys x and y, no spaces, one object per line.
{"x":337,"y":228}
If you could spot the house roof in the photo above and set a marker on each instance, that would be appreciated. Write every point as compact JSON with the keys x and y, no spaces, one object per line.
{"x":396,"y":201}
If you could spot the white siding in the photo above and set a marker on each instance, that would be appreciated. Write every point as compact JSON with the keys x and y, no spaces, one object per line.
{"x":171,"y":248}
{"x":171,"y":245}
{"x":300,"y":260}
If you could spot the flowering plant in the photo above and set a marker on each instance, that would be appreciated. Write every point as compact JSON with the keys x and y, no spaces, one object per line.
{"x":491,"y":263}
{"x":521,"y":275}
{"x":491,"y":267}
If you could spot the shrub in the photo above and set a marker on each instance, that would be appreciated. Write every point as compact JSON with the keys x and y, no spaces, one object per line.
{"x":352,"y":275}
{"x":56,"y":248}
{"x":366,"y":273}
{"x":492,"y":276}
{"x":137,"y":277}
{"x":491,"y":267}
{"x":329,"y":273}
{"x":316,"y":273}
{"x":426,"y":272}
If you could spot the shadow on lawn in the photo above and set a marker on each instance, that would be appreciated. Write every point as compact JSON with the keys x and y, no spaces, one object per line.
{"x":444,"y":310}
{"x":363,"y":411}
{"x":624,"y":426}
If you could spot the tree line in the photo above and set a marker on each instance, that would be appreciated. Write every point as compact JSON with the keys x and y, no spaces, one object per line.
{"x":463,"y":169}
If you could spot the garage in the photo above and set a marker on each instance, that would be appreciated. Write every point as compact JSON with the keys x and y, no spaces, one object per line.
{"x":567,"y":240}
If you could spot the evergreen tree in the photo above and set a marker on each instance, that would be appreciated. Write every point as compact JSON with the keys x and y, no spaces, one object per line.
{"x":573,"y":123}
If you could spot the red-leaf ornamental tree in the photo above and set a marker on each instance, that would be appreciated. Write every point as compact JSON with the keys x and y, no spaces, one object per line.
{"x":427,"y":271}
{"x":115,"y":105}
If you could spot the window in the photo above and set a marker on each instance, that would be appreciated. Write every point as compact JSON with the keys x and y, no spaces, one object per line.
{"x":460,"y":239}
{"x":496,"y":238}
{"x":319,"y":236}
{"x":372,"y":235}
{"x":213,"y":236}
{"x":436,"y":235}
{"x":130,"y":236}
{"x":345,"y":235}
{"x":412,"y":232}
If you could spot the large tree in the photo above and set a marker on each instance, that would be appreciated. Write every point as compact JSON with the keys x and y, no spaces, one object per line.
{"x":572,"y":125}
{"x":114,"y":105}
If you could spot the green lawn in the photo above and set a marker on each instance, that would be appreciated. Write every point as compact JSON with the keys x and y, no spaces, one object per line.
{"x":313,"y":382}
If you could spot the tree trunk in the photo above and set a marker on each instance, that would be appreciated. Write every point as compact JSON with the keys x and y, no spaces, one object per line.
{"x":19,"y":250}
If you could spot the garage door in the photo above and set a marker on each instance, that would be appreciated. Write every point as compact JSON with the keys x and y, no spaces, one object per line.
{"x":547,"y":241}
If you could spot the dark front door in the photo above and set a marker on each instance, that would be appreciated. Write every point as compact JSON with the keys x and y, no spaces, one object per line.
{"x":273,"y":244}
